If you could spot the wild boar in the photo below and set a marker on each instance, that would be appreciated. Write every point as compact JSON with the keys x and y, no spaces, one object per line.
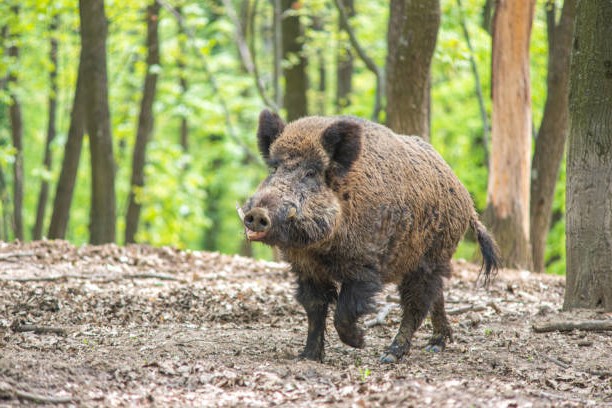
{"x":352,"y":206}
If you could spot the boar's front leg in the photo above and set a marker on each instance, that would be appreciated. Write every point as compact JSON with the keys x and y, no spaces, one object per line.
{"x":418,"y":289}
{"x":354,"y":301}
{"x":315,"y":296}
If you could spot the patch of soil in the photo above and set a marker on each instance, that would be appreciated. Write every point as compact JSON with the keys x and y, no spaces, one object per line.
{"x":124,"y":326}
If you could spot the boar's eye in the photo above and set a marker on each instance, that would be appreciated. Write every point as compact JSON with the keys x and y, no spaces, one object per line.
{"x":310,"y":173}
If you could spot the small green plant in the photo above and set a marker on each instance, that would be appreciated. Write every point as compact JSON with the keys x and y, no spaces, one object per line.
{"x":488,"y":332}
{"x":364,"y":373}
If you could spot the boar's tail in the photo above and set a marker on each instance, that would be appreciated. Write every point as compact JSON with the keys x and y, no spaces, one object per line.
{"x":491,"y":260}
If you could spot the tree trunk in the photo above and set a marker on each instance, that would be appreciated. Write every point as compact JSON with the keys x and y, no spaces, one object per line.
{"x":296,"y":82}
{"x":145,"y":123}
{"x":17,"y":137}
{"x":277,"y":42}
{"x":344,"y":66}
{"x":589,"y":161}
{"x":477,"y":86}
{"x":43,"y":195}
{"x":184,"y":127}
{"x":553,"y":132}
{"x":509,"y":171}
{"x":411,"y":40}
{"x":4,"y":197}
{"x":70,"y":162}
{"x":97,"y":119}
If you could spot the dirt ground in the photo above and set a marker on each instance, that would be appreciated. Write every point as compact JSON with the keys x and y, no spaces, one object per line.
{"x":141,"y":326}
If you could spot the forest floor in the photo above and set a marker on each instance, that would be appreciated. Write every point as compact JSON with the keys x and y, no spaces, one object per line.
{"x":141,"y":326}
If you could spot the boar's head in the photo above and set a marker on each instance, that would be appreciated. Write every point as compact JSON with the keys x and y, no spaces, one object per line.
{"x":297,"y":205}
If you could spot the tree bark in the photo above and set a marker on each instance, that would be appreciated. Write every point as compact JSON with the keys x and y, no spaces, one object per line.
{"x":4,"y":197}
{"x":145,"y":123}
{"x":277,"y":42}
{"x":589,"y":161}
{"x":43,"y":195}
{"x":296,"y":81}
{"x":509,"y":171}
{"x":411,"y":40}
{"x":70,"y":162}
{"x":550,"y":142}
{"x":16,"y":119}
{"x":344,"y":65}
{"x":97,"y":119}
{"x":182,"y":52}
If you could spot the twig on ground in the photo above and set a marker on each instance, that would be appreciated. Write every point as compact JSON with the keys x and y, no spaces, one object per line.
{"x":37,"y":329}
{"x":159,"y":276}
{"x":461,"y":310}
{"x":7,"y":390}
{"x":494,"y":306}
{"x":585,"y":325}
{"x":550,"y":395}
{"x":554,"y":360}
{"x":9,"y":255}
{"x":380,"y":316}
{"x":599,"y":373}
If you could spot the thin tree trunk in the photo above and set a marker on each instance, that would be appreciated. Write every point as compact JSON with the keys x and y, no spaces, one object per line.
{"x":70,"y":162}
{"x":4,"y":223}
{"x":320,"y":97}
{"x":184,"y":127}
{"x":17,"y":137}
{"x":4,"y":197}
{"x":43,"y":195}
{"x":296,"y":81}
{"x":369,"y":62}
{"x":344,"y":66}
{"x":145,"y":123}
{"x":411,"y":39}
{"x":477,"y":85}
{"x":589,"y":160}
{"x":550,"y":142}
{"x":278,"y":51}
{"x":508,"y":190}
{"x":487,"y":14}
{"x":97,"y":118}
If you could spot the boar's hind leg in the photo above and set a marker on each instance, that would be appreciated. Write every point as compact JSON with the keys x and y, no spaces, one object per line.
{"x":417,"y":290}
{"x":354,"y":301}
{"x":441,"y":327}
{"x":315,"y":297}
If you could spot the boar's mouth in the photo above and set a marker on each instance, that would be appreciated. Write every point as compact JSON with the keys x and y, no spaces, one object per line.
{"x":251,"y":234}
{"x":255,"y":235}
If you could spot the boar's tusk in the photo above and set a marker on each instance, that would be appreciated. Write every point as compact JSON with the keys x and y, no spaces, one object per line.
{"x":292,"y":213}
{"x":240,"y":212}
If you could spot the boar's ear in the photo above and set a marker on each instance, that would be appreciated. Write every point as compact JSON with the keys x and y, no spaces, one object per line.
{"x":342,"y":142}
{"x":270,"y":127}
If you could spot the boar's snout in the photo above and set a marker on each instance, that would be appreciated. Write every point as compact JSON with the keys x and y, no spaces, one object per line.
{"x":257,"y":223}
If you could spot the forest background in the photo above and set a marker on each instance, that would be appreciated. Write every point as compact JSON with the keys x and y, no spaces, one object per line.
{"x":200,"y":157}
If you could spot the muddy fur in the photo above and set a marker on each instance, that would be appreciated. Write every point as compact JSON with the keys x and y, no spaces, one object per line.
{"x":368,"y":207}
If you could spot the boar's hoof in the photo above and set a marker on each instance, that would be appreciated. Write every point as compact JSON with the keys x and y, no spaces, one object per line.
{"x":395,"y":352}
{"x":311,"y":355}
{"x":389,"y":358}
{"x":436,"y":344}
{"x":434,"y":348}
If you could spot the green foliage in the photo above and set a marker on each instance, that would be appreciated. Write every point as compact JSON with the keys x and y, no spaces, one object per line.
{"x":189,"y":196}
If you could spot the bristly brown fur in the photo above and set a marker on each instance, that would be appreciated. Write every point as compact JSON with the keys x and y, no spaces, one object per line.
{"x":367,"y":207}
